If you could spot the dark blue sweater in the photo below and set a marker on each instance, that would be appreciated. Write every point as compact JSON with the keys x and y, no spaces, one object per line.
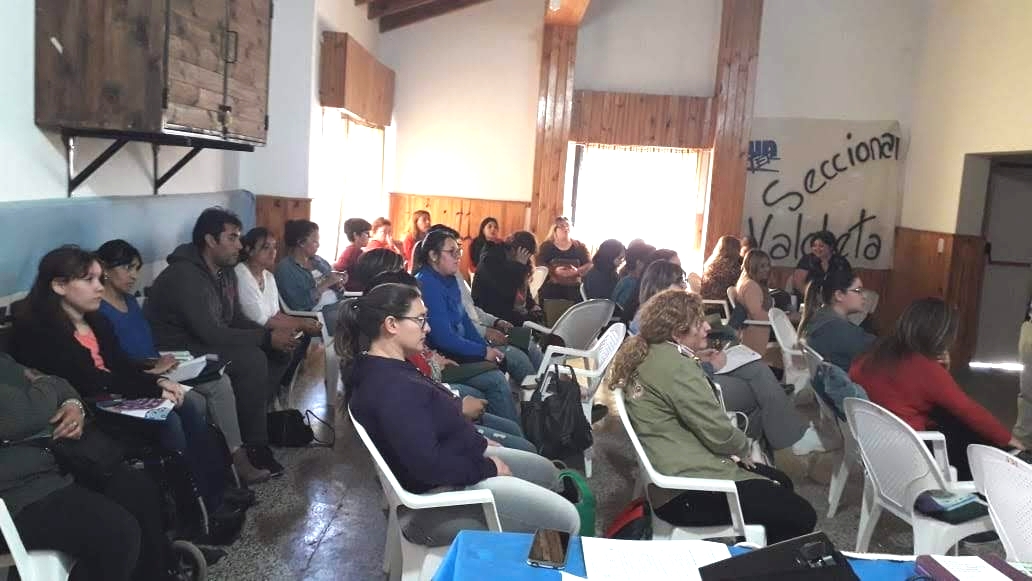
{"x":416,"y":426}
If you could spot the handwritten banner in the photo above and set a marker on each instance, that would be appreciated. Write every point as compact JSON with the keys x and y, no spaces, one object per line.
{"x":807,"y":175}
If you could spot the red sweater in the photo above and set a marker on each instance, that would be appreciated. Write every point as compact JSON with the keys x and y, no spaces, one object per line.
{"x":917,"y":386}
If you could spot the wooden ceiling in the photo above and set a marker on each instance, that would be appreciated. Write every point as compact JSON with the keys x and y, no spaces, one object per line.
{"x":397,"y":13}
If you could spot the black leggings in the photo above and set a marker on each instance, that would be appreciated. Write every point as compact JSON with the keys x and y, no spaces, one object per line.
{"x":958,"y":437}
{"x":767,"y":501}
{"x":102,"y":536}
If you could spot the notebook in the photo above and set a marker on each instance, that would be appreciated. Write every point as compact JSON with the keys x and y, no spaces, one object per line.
{"x":737,"y":356}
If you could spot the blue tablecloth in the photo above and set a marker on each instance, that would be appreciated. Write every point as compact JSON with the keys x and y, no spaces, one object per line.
{"x":478,"y":555}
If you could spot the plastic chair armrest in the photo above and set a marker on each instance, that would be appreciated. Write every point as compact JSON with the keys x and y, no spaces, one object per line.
{"x":536,"y":327}
{"x":756,"y":323}
{"x":442,"y":499}
{"x":938,"y":441}
{"x":555,"y":350}
{"x":966,"y":487}
{"x":700,"y":484}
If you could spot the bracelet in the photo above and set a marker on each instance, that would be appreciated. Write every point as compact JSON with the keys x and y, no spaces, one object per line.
{"x":76,"y":403}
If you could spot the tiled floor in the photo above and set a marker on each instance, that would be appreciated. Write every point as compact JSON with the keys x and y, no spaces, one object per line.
{"x":323,"y":520}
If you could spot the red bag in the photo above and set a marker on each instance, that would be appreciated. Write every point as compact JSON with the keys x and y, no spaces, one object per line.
{"x":634,"y":523}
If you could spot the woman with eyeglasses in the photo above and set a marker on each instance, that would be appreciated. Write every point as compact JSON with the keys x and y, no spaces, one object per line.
{"x":677,"y":417}
{"x":567,"y":261}
{"x":452,"y":332}
{"x":421,"y":432}
{"x":905,"y":373}
{"x":828,"y":331}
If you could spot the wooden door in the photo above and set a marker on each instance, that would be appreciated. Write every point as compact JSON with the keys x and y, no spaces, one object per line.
{"x":247,"y":94}
{"x":196,"y":65}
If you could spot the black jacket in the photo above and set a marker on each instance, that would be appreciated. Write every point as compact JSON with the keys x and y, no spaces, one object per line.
{"x":497,"y":281}
{"x":50,"y":347}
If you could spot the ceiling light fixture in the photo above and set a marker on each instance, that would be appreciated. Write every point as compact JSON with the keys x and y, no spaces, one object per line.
{"x":555,"y":5}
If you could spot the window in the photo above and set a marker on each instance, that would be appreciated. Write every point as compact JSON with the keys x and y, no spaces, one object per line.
{"x":657,"y":194}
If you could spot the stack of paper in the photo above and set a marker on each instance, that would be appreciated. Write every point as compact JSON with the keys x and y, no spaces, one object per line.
{"x":616,"y":560}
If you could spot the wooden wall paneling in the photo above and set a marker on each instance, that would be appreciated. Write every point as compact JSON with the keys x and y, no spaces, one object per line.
{"x":735,"y":90}
{"x":964,"y":293}
{"x":81,"y":85}
{"x":555,"y":104}
{"x":351,"y":78}
{"x":641,"y":119}
{"x":272,"y":212}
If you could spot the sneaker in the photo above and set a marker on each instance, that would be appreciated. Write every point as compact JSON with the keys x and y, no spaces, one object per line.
{"x":246,"y":471}
{"x":239,"y":497}
{"x":261,"y":457}
{"x":809,"y":443}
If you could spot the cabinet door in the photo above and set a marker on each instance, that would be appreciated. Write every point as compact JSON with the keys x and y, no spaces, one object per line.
{"x":247,"y":91}
{"x":197,"y":44}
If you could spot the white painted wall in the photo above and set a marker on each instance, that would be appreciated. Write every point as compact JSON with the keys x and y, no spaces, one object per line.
{"x":971,"y":96}
{"x":32,"y":162}
{"x":839,"y":59}
{"x":466,"y":101}
{"x":666,"y":47}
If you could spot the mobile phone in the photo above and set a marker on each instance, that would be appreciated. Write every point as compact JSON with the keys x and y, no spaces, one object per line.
{"x":549,"y":549}
{"x":299,"y":334}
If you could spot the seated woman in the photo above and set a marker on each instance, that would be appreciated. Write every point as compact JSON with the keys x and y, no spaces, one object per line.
{"x":625,"y":292}
{"x":260,"y":300}
{"x":421,"y":432}
{"x":751,"y":389}
{"x":502,"y":286}
{"x":659,"y":276}
{"x":452,"y":332}
{"x":489,"y":233}
{"x":372,"y":263}
{"x":600,"y":281}
{"x":822,"y":261}
{"x":828,"y":331}
{"x":417,"y":231}
{"x":754,"y":294}
{"x":357,"y":231}
{"x":382,"y":237}
{"x":58,"y":331}
{"x":305,"y":281}
{"x":677,"y":417}
{"x":722,"y":268}
{"x":121,"y":263}
{"x":904,"y":373}
{"x":471,"y":400}
{"x":567,"y":261}
{"x":50,"y":511}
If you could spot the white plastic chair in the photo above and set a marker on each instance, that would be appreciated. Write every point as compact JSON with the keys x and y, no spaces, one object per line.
{"x":598,"y":357}
{"x":796,"y":371}
{"x":847,"y":455}
{"x":663,"y":530}
{"x":402,"y":559}
{"x":899,"y":468}
{"x":332,"y":362}
{"x":31,"y":565}
{"x":579,"y":326}
{"x":695,"y":284}
{"x":732,"y":298}
{"x":1005,"y":481}
{"x":537,"y":279}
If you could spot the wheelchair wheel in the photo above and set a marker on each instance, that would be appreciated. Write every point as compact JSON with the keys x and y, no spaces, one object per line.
{"x":188,"y":562}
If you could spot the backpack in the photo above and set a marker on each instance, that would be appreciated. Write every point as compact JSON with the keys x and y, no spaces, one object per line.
{"x":634,"y":523}
{"x":553,"y":419}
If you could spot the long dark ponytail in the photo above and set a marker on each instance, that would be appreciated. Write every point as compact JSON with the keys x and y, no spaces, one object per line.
{"x":360,"y":319}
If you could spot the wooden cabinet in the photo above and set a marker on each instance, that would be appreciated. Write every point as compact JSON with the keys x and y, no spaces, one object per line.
{"x":351,"y":78}
{"x":154,"y":67}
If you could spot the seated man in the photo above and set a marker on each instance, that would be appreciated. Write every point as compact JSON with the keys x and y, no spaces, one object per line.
{"x":194,"y":303}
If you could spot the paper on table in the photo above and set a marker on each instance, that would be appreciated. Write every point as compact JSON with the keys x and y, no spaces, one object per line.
{"x":617,"y":560}
{"x":971,"y":568}
{"x":737,"y":356}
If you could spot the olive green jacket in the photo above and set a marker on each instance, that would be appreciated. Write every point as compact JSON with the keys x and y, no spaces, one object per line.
{"x":679,"y":421}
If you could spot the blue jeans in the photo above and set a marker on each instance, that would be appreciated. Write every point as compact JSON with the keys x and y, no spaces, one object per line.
{"x":521,"y":364}
{"x":186,"y":431}
{"x":505,"y":432}
{"x":494,"y":387}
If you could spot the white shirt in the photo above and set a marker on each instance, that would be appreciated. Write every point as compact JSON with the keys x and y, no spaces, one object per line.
{"x":256,"y":304}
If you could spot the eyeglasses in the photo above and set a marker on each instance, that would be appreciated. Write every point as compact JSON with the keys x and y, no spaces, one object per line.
{"x":420,"y":320}
{"x":455,"y":252}
{"x":858,"y":290}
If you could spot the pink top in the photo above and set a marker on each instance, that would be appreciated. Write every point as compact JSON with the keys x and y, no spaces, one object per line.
{"x":88,"y":340}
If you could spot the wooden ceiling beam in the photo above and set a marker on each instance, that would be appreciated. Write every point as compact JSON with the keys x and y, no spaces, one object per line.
{"x":378,"y":8}
{"x":570,"y":13}
{"x":424,"y":12}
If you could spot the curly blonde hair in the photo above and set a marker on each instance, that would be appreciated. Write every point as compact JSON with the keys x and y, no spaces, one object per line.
{"x":671,"y":312}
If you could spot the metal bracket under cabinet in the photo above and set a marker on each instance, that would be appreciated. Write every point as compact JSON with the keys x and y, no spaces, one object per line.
{"x":121,"y":138}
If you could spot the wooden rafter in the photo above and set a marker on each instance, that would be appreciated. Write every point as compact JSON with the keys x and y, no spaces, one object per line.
{"x":423,"y":12}
{"x":378,"y":8}
{"x":570,"y":12}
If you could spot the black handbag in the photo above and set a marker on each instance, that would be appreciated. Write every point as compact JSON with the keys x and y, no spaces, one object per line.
{"x":92,"y":459}
{"x":292,"y":429}
{"x":553,"y":419}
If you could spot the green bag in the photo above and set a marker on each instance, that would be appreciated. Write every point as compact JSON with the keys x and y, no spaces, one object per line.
{"x":586,"y":503}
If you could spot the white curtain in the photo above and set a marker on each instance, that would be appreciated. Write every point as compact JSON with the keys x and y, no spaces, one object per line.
{"x":657,"y":194}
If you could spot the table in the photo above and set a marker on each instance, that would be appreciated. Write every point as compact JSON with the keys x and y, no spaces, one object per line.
{"x":478,"y":555}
